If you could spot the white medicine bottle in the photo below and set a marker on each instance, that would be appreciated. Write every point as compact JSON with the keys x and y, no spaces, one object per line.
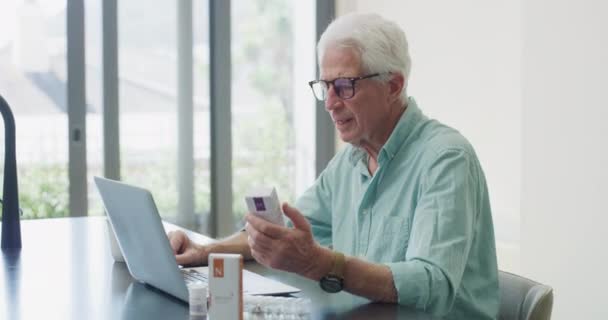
{"x":197,"y":300}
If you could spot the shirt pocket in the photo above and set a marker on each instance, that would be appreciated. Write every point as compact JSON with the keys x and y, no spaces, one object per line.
{"x":395,"y":235}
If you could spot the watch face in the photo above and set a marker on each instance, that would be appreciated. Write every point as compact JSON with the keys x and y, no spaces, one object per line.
{"x":331,"y":284}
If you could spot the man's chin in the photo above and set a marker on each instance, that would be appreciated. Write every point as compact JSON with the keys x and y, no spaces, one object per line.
{"x":349,"y":139}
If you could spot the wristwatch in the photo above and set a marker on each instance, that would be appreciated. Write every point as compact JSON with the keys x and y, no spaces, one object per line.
{"x":334,"y":281}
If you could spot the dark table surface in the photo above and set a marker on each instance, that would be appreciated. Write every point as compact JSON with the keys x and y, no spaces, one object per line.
{"x":65,"y":271}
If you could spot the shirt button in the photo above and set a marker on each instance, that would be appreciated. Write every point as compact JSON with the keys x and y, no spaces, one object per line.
{"x":365,"y":211}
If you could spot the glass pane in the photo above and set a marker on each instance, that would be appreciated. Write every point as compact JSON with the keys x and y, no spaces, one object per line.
{"x":94,"y":92}
{"x":148,"y":71}
{"x":202,"y":147}
{"x":33,"y":81}
{"x":266,"y":85}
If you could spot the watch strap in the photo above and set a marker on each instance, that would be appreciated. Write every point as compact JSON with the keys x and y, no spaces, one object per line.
{"x":338,"y":265}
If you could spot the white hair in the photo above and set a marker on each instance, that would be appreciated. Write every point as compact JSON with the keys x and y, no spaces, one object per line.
{"x":380,"y":43}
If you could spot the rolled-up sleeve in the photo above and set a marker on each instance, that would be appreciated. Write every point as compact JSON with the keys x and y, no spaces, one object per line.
{"x":441,"y":234}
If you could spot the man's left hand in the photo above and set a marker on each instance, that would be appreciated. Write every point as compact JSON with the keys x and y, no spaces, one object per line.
{"x":290,"y":249}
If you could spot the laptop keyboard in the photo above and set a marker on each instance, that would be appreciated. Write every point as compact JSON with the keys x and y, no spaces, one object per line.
{"x":192,"y":276}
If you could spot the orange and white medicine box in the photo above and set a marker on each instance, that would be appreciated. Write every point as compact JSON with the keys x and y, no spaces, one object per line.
{"x":225,"y":286}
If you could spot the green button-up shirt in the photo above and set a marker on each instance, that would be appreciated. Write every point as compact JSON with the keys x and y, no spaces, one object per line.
{"x":425,"y":214}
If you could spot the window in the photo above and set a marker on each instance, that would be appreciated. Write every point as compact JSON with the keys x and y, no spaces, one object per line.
{"x":94,"y":98}
{"x":269,"y":147}
{"x":262,"y":102}
{"x":164,"y":127}
{"x":33,"y":80}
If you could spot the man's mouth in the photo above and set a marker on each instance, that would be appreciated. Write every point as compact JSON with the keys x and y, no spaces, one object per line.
{"x":343,"y":121}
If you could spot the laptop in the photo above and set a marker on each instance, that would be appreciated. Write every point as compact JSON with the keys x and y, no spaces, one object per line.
{"x":144,"y":244}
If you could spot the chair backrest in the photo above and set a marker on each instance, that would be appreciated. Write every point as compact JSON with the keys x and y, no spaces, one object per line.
{"x":523,"y":299}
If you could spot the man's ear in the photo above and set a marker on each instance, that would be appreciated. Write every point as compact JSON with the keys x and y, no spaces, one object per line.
{"x":395,"y":86}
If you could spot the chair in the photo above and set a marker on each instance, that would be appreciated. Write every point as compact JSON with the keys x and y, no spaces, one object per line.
{"x":523,"y":299}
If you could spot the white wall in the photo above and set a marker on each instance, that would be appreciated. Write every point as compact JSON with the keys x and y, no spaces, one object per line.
{"x":565,"y":153}
{"x":527,"y":83}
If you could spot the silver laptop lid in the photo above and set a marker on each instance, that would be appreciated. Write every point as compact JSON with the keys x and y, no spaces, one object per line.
{"x":141,"y":236}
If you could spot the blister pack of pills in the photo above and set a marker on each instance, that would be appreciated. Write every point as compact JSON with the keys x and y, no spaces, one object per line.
{"x":276,"y":307}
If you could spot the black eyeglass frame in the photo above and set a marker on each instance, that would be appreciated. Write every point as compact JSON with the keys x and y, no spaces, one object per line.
{"x":352,"y":80}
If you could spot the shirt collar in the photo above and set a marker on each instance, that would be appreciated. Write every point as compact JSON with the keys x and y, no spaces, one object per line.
{"x":406,"y":124}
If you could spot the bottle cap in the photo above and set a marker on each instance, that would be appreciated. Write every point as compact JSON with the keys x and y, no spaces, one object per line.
{"x":197,"y":288}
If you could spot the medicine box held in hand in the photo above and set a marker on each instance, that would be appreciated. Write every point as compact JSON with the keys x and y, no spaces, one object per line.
{"x":264,"y":203}
{"x":225,"y":286}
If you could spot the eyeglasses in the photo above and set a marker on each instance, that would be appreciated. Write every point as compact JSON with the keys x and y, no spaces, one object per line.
{"x":344,"y":87}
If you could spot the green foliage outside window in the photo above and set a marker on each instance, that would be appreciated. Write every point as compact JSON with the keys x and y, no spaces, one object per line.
{"x":43,"y":191}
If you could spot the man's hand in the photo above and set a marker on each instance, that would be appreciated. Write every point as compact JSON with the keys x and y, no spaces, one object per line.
{"x":187,"y":253}
{"x":289,"y":249}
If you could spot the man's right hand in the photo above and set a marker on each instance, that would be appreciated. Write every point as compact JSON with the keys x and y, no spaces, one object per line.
{"x":187,"y":253}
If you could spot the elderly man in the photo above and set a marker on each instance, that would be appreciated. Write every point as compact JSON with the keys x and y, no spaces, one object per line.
{"x":402,"y":214}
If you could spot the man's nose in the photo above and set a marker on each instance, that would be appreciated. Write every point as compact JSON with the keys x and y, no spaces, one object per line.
{"x":332,"y":100}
